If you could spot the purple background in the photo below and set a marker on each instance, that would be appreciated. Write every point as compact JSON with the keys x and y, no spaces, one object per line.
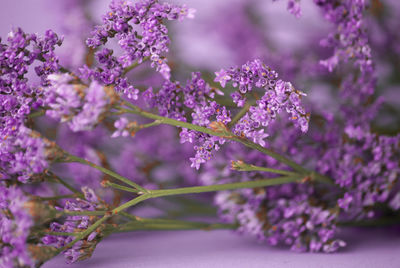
{"x":367,"y":247}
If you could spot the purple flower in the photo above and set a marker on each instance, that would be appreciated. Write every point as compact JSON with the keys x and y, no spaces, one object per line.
{"x":345,"y":202}
{"x":187,"y":135}
{"x":366,"y":166}
{"x":153,"y":41}
{"x":259,"y":136}
{"x":350,"y":39}
{"x":22,"y":153}
{"x":121,"y":125}
{"x":238,"y":99}
{"x":95,"y":104}
{"x":281,"y":214}
{"x":197,"y":161}
{"x":62,"y":98}
{"x":294,"y":7}
{"x":15,"y":224}
{"x":67,"y":104}
{"x":279,"y":96}
{"x":222,"y":77}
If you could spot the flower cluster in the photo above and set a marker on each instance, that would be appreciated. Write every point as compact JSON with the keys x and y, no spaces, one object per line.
{"x":84,"y":248}
{"x":15,"y":223}
{"x":174,"y":100}
{"x":282,"y":215}
{"x":197,"y":96}
{"x":350,"y":43}
{"x":141,"y":34}
{"x":20,"y":52}
{"x":349,"y":40}
{"x":366,"y":165}
{"x":296,"y":215}
{"x":82,"y":107}
{"x":279,"y":96}
{"x":16,"y":56}
{"x":21,"y":153}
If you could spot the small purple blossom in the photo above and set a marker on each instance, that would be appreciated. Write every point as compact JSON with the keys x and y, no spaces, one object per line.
{"x":222,"y":77}
{"x":345,"y":202}
{"x":294,"y":8}
{"x":62,"y":98}
{"x":95,"y":104}
{"x":121,"y":125}
{"x":395,"y":202}
{"x":238,"y":98}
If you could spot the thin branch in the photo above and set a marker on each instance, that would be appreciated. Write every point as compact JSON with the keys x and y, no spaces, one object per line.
{"x":73,"y":158}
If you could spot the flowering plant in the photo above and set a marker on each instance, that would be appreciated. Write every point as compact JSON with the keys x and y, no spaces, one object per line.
{"x":85,"y":143}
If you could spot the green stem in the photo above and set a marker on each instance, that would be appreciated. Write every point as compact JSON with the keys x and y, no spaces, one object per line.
{"x":271,"y":153}
{"x":228,"y":135}
{"x":321,"y":178}
{"x":68,"y":186}
{"x":241,"y":166}
{"x":128,"y":216}
{"x":120,"y":187}
{"x":208,"y":188}
{"x":131,"y":203}
{"x":186,"y":190}
{"x":223,"y":100}
{"x":73,"y":158}
{"x":60,"y":233}
{"x":57,"y":197}
{"x":227,"y":186}
{"x":240,"y":114}
{"x":164,"y":224}
{"x":169,"y":121}
{"x":134,"y":65}
{"x":83,"y":213}
{"x":37,"y":114}
{"x":53,"y":176}
{"x":85,"y":233}
{"x":155,"y":123}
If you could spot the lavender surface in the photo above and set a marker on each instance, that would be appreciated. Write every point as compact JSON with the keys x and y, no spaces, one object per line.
{"x":366,"y":248}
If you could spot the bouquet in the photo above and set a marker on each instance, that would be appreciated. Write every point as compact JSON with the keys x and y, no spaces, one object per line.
{"x":284,"y":142}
